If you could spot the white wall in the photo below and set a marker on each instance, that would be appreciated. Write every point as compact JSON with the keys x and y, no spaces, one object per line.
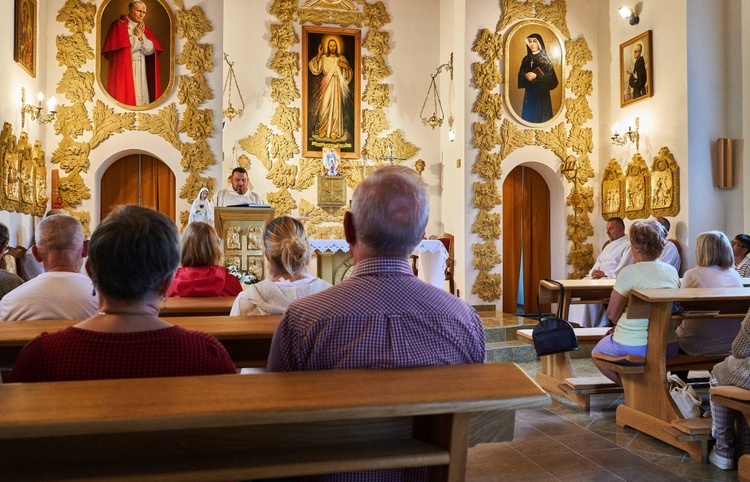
{"x":710,"y":76}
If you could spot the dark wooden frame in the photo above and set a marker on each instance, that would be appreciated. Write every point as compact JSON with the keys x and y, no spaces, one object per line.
{"x":311,"y":38}
{"x":626,"y":52}
{"x":29,"y":65}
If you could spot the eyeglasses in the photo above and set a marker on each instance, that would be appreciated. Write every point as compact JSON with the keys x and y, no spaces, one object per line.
{"x":737,"y":243}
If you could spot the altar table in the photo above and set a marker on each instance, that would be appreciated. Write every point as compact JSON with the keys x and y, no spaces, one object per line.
{"x":334,"y":261}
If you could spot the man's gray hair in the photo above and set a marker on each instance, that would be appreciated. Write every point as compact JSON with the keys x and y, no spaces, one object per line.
{"x":4,"y":233}
{"x":390,"y":209}
{"x":59,"y":232}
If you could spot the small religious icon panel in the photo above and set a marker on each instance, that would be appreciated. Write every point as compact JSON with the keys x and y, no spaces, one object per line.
{"x":331,"y":191}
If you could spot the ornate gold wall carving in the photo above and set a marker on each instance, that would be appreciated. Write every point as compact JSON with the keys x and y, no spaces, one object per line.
{"x":23,"y":174}
{"x":277,"y":152}
{"x":497,"y":144}
{"x":77,"y":87}
{"x":640,"y":193}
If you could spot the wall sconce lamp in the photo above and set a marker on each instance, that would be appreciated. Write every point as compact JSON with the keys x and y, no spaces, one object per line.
{"x":630,"y":135}
{"x":437,"y":119}
{"x":629,"y":14}
{"x":35,"y":111}
{"x":230,"y":112}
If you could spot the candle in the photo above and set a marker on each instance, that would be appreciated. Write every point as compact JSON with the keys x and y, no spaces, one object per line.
{"x":51,"y":104}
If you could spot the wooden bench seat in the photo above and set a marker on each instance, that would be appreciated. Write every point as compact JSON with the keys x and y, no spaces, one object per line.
{"x":556,"y":369}
{"x":738,"y":399}
{"x":635,"y":364}
{"x":234,"y":427}
{"x":589,"y":386}
{"x":247,"y":339}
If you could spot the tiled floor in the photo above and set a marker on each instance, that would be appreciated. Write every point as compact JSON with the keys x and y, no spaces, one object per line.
{"x":564,"y":443}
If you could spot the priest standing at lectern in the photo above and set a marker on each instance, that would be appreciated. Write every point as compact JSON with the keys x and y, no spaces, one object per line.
{"x":132,"y":53}
{"x":239,"y":194}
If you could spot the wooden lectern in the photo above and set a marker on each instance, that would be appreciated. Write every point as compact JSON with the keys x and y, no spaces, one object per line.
{"x":241,"y":231}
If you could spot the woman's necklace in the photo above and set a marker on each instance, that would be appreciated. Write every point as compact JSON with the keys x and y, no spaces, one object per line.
{"x":143,"y":313}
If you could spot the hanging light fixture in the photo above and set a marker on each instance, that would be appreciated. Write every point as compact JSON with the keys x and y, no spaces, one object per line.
{"x":436,"y":119}
{"x":230,"y":112}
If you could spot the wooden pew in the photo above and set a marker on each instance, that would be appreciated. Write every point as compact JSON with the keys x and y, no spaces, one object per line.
{"x":648,"y":406}
{"x":234,"y":427}
{"x":738,"y":399}
{"x":246,"y":338}
{"x":577,"y":291}
{"x":198,"y":306}
{"x":556,"y":374}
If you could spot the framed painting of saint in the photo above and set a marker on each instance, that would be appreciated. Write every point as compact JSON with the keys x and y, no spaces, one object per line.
{"x":534,"y":73}
{"x":636,"y":77}
{"x":135,"y":74}
{"x":24,"y":52}
{"x":330,"y":91}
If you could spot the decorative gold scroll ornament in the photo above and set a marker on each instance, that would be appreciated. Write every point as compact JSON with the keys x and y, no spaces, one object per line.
{"x":23,"y":173}
{"x":495,"y":142}
{"x":77,"y":87}
{"x":640,"y":192}
{"x":276,"y":149}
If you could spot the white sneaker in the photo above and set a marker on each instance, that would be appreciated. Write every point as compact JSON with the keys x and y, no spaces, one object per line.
{"x":724,"y":463}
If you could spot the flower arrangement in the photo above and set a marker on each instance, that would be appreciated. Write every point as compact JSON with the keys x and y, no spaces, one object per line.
{"x":244,"y":277}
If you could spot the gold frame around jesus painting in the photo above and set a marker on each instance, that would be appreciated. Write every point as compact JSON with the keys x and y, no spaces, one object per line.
{"x":349,"y":44}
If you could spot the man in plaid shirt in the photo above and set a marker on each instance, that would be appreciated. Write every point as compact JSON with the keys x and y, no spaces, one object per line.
{"x":382,"y":316}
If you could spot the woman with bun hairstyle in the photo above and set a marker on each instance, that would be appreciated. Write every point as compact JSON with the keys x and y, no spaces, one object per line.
{"x":288,"y":253}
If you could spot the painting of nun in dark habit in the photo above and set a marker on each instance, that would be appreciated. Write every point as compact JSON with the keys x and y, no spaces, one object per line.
{"x":535,"y":54}
{"x":538,"y":78}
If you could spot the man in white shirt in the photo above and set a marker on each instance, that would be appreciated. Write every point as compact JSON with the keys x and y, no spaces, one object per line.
{"x":239,"y":194}
{"x":615,"y":256}
{"x":670,"y":255}
{"x":62,"y":291}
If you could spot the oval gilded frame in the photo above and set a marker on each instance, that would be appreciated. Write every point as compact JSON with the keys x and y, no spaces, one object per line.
{"x":161,"y":20}
{"x":515,"y":51}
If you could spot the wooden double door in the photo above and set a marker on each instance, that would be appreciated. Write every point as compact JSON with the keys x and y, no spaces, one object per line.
{"x":141,"y":180}
{"x":526,"y":239}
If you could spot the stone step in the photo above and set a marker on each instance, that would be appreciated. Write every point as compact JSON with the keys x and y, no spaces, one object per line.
{"x":510,"y":351}
{"x":501,"y":335}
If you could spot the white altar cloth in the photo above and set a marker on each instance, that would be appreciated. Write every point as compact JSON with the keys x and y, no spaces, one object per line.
{"x":432,"y":257}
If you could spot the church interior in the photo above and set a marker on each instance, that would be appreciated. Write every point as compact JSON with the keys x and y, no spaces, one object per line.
{"x":435,"y":87}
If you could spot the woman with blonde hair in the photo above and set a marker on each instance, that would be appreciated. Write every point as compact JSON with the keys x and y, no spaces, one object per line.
{"x":287,"y":251}
{"x":714,"y":261}
{"x":201,"y":272}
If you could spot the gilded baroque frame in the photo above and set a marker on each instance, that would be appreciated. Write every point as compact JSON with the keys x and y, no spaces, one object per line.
{"x":627,"y":69}
{"x":515,"y":51}
{"x":25,"y":38}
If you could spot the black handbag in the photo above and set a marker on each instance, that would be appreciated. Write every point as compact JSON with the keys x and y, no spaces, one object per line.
{"x":553,"y":334}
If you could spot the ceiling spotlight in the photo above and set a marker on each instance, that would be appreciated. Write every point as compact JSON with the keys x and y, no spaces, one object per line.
{"x":629,"y":14}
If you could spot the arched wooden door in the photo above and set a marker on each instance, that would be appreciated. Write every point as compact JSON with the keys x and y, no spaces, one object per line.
{"x":141,"y":180}
{"x":526,"y":239}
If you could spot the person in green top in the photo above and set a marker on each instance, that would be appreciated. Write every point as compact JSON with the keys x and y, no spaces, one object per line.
{"x":630,"y":336}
